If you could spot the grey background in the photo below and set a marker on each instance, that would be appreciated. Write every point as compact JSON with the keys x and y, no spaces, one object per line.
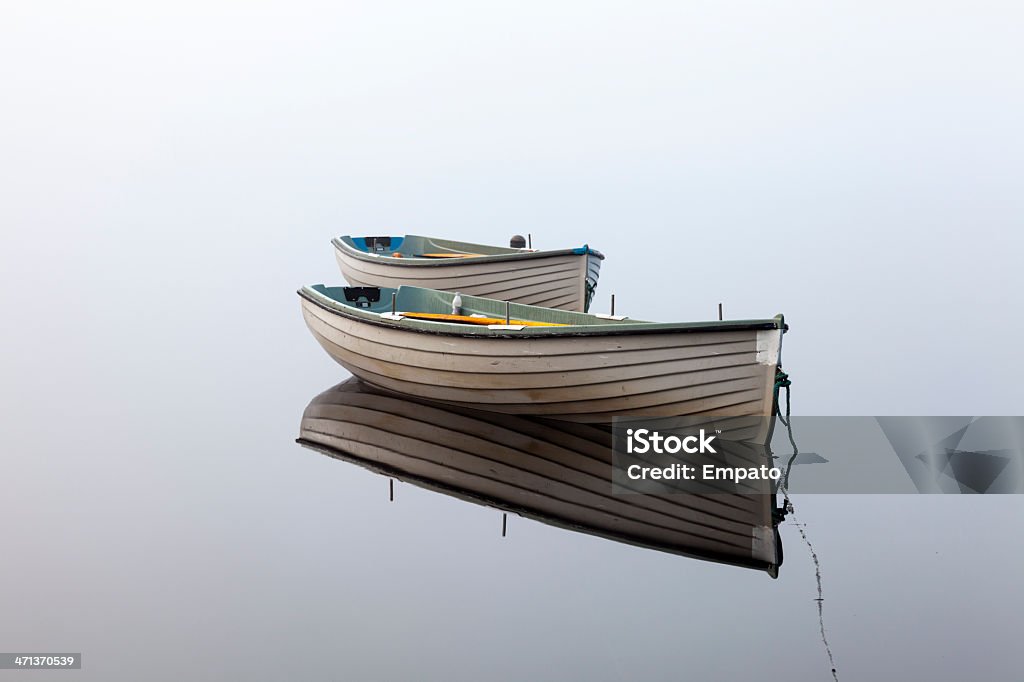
{"x":169,"y":174}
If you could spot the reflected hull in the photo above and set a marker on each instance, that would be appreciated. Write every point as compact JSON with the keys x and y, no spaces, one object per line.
{"x":555,"y":472}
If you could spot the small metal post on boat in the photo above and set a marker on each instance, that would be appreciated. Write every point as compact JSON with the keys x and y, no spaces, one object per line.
{"x":613,"y":305}
{"x":504,"y":524}
{"x":529,"y":240}
{"x":508,"y":314}
{"x":391,"y":481}
{"x":394,"y":301}
{"x":719,"y":312}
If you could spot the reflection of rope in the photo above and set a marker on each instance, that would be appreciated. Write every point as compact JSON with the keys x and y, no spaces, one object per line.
{"x":817,"y":576}
{"x":782,"y":381}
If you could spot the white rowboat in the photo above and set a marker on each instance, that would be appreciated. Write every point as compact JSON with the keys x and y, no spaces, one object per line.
{"x":564,"y":279}
{"x":553,"y":363}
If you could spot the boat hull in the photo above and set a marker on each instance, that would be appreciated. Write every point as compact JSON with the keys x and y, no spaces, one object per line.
{"x":564,"y":280}
{"x":553,"y":472}
{"x":728,"y":371}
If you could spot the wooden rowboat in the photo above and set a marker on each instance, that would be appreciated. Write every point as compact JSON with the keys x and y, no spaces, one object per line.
{"x":550,"y":471}
{"x":554,"y":363}
{"x":563,"y":279}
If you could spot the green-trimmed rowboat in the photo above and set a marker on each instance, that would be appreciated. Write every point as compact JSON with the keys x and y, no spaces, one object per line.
{"x":546,"y":362}
{"x":564,"y":279}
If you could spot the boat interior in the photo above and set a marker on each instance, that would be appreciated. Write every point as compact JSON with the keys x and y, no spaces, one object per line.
{"x":430,"y":304}
{"x":415,"y":246}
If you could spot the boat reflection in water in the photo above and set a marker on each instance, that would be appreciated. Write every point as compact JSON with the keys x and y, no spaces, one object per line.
{"x":559,"y":473}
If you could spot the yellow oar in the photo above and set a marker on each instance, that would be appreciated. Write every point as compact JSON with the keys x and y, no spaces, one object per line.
{"x":469,"y":319}
{"x":449,"y":255}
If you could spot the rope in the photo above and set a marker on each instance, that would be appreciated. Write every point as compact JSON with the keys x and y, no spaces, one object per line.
{"x":782,"y":381}
{"x":589,"y":290}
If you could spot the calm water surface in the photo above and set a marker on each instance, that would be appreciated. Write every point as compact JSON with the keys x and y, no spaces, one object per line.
{"x":173,"y":173}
